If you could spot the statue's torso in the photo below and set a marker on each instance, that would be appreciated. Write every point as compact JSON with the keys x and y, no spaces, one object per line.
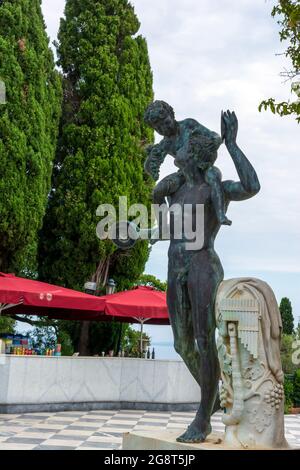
{"x":188,"y":197}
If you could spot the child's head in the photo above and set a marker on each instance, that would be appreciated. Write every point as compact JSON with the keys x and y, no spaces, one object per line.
{"x":203,"y":146}
{"x":161,"y":117}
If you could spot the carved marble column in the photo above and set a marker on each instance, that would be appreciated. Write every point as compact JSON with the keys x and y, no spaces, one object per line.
{"x":252,"y":393}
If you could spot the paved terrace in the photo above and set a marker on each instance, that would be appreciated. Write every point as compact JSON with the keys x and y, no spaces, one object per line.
{"x":99,"y":430}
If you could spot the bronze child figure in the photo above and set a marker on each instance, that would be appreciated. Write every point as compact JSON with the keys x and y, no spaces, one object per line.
{"x":161,"y":117}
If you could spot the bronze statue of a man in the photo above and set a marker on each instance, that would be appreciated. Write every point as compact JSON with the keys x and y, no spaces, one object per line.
{"x":195,"y":275}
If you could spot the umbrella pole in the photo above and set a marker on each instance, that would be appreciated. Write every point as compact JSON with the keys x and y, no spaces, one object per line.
{"x":141,"y":321}
{"x":141,"y":343}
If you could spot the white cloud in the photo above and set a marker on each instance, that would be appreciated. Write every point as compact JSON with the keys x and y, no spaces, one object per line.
{"x":53,"y":11}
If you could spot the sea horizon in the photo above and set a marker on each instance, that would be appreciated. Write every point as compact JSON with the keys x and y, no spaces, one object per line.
{"x":164,"y":350}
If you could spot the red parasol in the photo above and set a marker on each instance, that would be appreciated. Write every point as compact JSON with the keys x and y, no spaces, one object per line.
{"x":141,"y":303}
{"x":25,"y":296}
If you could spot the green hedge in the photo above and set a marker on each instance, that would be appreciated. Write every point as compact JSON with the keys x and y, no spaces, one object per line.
{"x":292,"y":391}
{"x":296,"y":395}
{"x":288,"y":393}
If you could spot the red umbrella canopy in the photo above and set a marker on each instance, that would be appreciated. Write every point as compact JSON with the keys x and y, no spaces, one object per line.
{"x":140,"y":303}
{"x":24,"y":296}
{"x":19,"y":295}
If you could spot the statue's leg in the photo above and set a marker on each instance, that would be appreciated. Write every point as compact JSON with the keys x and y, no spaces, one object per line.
{"x":182,"y":322}
{"x":205,"y":275}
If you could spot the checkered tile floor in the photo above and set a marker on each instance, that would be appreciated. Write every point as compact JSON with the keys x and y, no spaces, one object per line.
{"x":98,"y":430}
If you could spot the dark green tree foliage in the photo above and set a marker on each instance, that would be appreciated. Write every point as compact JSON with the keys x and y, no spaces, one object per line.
{"x":288,"y":394}
{"x":288,"y":13}
{"x":107,"y":86}
{"x":28,"y":130}
{"x":103,"y":337}
{"x":152,"y":281}
{"x":297,"y":388}
{"x":298,"y":330}
{"x":287,"y":316}
{"x":287,"y":351}
{"x":7,"y":325}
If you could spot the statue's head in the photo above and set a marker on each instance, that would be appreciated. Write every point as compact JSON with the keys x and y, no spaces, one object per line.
{"x":201,"y":149}
{"x":161,"y":117}
{"x":203,"y":146}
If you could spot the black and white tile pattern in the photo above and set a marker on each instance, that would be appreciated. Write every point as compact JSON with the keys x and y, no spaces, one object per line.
{"x":100,"y":430}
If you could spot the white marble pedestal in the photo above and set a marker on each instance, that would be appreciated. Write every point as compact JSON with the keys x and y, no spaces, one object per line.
{"x":166,"y":440}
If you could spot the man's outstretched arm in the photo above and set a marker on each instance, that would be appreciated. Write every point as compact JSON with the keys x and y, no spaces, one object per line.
{"x":249,"y":185}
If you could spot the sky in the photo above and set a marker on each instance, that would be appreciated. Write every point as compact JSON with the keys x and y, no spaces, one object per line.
{"x":209,"y":55}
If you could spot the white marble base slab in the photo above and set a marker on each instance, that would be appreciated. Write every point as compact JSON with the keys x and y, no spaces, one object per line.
{"x":166,"y":440}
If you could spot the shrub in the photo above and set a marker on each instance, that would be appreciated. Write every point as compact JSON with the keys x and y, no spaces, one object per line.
{"x":288,"y":394}
{"x":296,"y":385}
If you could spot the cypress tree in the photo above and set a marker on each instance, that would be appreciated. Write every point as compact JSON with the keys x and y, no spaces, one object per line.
{"x":107,"y":87}
{"x":28,"y":130}
{"x":287,"y":316}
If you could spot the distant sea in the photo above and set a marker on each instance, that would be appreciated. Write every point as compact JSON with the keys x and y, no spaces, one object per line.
{"x":165,"y":350}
